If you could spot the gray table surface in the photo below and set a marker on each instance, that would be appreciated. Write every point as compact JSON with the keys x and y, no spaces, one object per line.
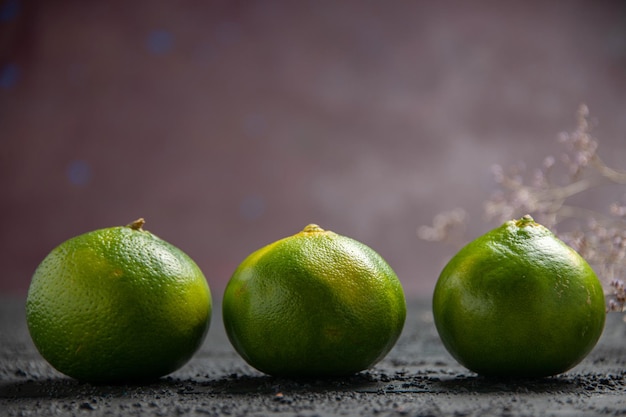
{"x":417,"y":378}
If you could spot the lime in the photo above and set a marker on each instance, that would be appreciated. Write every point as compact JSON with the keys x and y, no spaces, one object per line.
{"x":519,"y":302}
{"x":313,"y":304}
{"x":118,"y":305}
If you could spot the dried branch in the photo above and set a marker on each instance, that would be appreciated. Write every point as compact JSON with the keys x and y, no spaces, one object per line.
{"x":600,"y":238}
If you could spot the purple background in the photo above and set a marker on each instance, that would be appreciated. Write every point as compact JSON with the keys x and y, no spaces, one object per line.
{"x":231,"y":124}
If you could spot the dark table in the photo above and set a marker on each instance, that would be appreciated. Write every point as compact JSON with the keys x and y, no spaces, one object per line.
{"x":417,"y":378}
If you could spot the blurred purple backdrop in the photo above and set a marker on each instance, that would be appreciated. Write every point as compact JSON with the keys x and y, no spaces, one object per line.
{"x":231,"y":124}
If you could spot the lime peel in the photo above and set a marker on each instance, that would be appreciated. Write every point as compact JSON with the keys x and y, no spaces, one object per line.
{"x":313,"y":304}
{"x":518,"y":304}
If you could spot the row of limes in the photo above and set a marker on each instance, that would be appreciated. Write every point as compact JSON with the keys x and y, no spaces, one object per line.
{"x":120,"y":304}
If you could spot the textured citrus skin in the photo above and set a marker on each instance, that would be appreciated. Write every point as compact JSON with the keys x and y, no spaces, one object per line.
{"x":517,"y":301}
{"x":313,"y":304}
{"x":117,"y":305}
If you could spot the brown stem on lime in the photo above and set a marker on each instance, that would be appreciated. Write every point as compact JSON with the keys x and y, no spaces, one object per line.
{"x":524,"y":221}
{"x":312,"y":228}
{"x":137,"y":224}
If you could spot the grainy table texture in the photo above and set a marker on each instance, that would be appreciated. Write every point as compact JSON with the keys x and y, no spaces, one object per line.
{"x":417,"y":378}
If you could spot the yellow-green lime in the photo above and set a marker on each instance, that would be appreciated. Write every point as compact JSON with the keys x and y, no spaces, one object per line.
{"x":313,"y":304}
{"x":519,"y":302}
{"x":118,"y":305}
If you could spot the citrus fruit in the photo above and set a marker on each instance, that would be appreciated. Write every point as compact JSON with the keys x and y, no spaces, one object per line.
{"x":518,"y":302}
{"x":313,"y":304}
{"x":117,"y":305}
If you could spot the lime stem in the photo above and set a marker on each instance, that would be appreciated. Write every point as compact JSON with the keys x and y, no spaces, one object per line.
{"x":137,"y":224}
{"x":524,"y":221}
{"x":312,"y":228}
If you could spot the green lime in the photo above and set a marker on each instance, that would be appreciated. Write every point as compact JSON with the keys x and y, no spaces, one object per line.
{"x":518,"y":301}
{"x":118,"y":305}
{"x":313,"y":304}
